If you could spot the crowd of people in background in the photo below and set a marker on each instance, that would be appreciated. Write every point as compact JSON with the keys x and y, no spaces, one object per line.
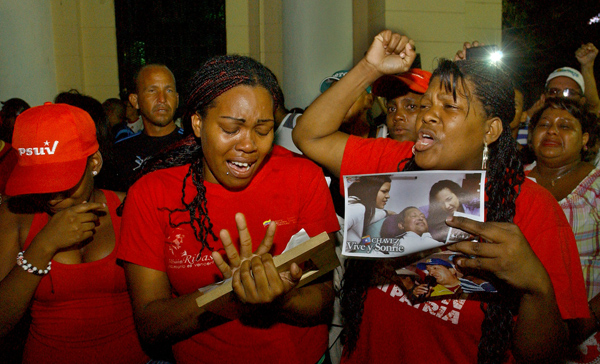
{"x":115,"y":215}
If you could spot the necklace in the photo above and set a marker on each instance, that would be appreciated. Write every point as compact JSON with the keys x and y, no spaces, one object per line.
{"x":553,"y":181}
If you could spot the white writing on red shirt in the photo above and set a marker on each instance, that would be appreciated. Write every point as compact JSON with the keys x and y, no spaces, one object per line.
{"x":178,"y":257}
{"x":447,"y":310}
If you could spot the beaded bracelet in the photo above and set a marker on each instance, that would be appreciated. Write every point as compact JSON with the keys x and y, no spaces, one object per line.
{"x":22,"y":262}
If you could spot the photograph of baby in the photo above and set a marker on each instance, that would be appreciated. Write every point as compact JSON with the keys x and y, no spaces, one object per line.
{"x":397,"y":214}
{"x":439,"y":277}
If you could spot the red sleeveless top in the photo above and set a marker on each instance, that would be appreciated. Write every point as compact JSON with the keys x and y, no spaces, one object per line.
{"x":81,"y":313}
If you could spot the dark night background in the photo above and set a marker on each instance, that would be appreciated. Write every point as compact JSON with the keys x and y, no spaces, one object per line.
{"x":540,"y":36}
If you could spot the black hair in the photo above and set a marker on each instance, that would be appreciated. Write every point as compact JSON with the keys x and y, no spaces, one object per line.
{"x":365,"y":191}
{"x":589,"y":122}
{"x":94,"y":108}
{"x":439,"y":186}
{"x":489,"y":85}
{"x":215,"y":77}
{"x":10,"y":110}
{"x":437,"y":214}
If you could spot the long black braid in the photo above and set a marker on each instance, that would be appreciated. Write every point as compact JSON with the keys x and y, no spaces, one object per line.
{"x":493,"y":88}
{"x":215,"y":77}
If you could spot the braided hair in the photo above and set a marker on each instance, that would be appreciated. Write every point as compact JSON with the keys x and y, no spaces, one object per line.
{"x":215,"y":77}
{"x":489,"y":85}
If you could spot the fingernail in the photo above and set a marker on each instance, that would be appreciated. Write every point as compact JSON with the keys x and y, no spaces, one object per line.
{"x":449,"y":218}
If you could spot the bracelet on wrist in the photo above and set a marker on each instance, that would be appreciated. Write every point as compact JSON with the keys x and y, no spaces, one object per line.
{"x":28,"y":267}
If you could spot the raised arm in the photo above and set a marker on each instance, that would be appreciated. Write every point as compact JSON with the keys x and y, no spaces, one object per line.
{"x":586,"y":54}
{"x":316,"y":133}
{"x":17,"y":286}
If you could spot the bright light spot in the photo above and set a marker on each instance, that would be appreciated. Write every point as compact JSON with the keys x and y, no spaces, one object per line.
{"x":595,"y":19}
{"x":496,"y":56}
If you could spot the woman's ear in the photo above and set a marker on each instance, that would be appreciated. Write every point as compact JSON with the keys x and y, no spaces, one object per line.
{"x":197,"y":125}
{"x":96,"y":163}
{"x":585,"y":137}
{"x":494,"y":130}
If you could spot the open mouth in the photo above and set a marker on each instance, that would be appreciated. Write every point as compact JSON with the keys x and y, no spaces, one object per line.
{"x":240,"y":169}
{"x":425,"y":141}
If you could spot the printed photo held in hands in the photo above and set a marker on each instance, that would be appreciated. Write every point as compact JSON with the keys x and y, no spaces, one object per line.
{"x":463,"y":124}
{"x":439,"y":277}
{"x":398,"y":214}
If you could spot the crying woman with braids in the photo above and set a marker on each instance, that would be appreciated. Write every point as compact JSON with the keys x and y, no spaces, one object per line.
{"x":227,"y":186}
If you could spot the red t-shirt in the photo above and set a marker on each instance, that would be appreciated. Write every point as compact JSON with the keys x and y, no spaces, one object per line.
{"x":81,"y":313}
{"x":448,"y":331}
{"x":289,"y":189}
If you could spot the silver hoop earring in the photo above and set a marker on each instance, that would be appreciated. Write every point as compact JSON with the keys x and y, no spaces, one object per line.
{"x":485,"y":156}
{"x":414,"y":150}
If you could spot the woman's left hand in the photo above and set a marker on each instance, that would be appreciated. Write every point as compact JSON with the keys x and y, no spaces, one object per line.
{"x":504,"y":251}
{"x":255,"y":277}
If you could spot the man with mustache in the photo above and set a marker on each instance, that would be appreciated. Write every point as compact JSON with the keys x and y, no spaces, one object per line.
{"x":156,"y":98}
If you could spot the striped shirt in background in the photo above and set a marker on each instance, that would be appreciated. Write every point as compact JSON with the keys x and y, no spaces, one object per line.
{"x":523,"y":131}
{"x":582,"y":208}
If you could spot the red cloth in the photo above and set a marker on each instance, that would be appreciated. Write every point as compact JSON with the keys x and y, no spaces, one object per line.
{"x":81,"y":313}
{"x":8,"y":160}
{"x":289,"y":189}
{"x":448,"y":331}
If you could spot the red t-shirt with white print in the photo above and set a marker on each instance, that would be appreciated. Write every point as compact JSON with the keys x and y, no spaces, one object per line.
{"x":288,"y":189}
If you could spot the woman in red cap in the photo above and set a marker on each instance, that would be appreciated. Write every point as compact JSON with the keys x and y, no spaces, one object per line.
{"x":58,"y":239}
